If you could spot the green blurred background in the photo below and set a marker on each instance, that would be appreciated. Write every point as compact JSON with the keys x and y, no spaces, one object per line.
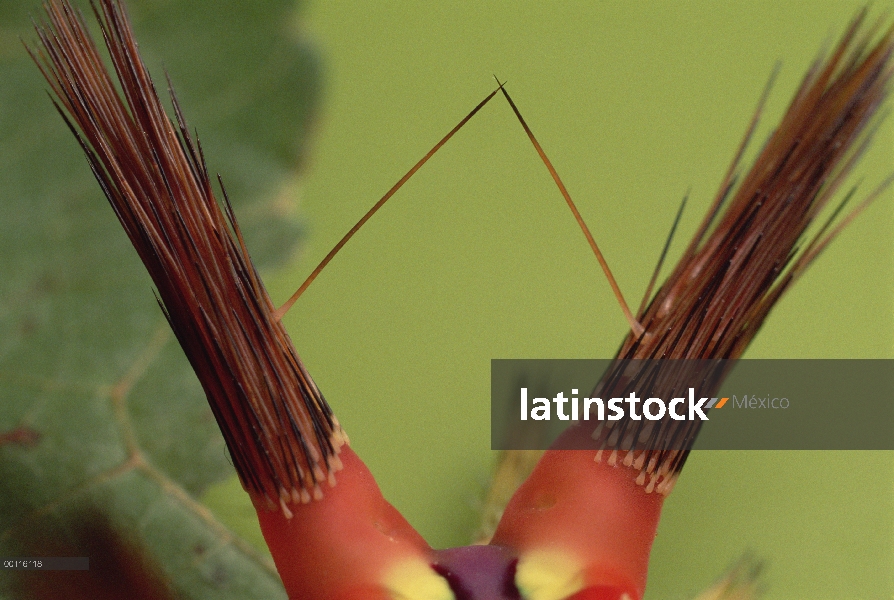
{"x":478,"y":258}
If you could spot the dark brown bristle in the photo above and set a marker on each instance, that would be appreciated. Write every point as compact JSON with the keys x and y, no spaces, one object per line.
{"x":728,"y":280}
{"x":734,"y":271}
{"x":745,"y":254}
{"x":281,"y":434}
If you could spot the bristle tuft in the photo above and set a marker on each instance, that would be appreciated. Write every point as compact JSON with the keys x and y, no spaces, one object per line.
{"x":280,"y":431}
{"x":744,"y":258}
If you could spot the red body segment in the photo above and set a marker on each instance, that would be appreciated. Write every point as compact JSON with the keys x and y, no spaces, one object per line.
{"x":594,"y":512}
{"x":344,"y":546}
{"x":339,"y":548}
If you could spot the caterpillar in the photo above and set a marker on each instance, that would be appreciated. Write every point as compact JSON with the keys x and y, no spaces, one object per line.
{"x":582,"y":526}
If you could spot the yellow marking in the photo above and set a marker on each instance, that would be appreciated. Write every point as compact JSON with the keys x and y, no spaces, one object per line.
{"x":548,"y":575}
{"x":414,"y":579}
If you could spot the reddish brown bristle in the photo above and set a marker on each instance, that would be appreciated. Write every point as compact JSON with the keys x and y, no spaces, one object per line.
{"x":738,"y":265}
{"x":743,"y":258}
{"x":635,"y":327}
{"x":281,"y":434}
{"x":715,"y":300}
{"x":282,"y":310}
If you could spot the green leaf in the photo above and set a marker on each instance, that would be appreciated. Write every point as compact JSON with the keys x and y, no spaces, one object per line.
{"x":106,"y":438}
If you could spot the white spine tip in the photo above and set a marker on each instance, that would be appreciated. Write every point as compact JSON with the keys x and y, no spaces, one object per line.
{"x":285,"y":509}
{"x":335,"y":464}
{"x":639,"y":462}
